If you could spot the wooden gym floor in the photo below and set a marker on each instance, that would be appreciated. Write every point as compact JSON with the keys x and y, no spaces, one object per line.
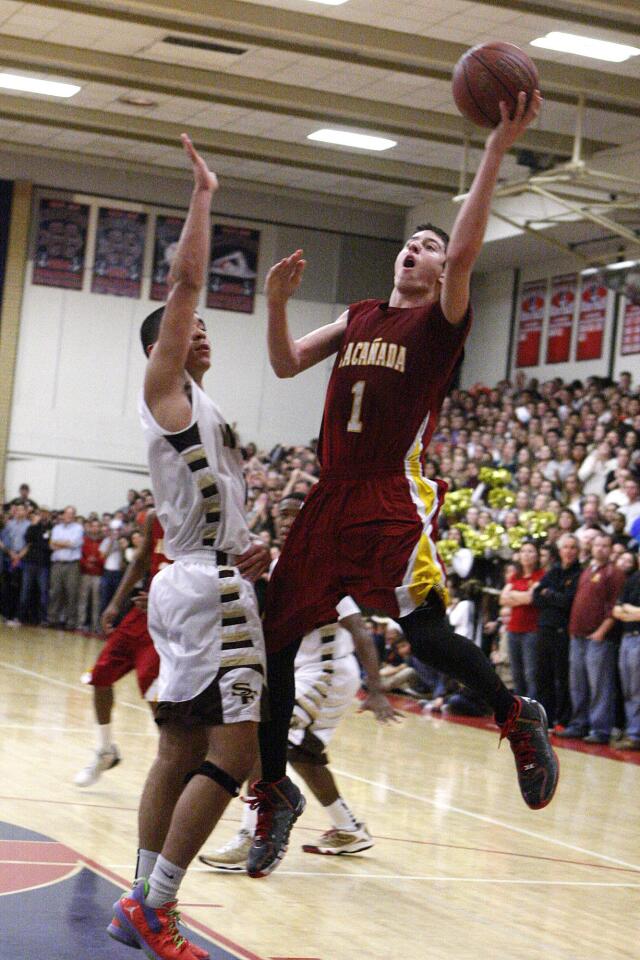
{"x":461,"y":869}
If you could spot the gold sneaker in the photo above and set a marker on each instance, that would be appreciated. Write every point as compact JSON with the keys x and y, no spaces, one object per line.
{"x":233,"y":856}
{"x":341,"y":841}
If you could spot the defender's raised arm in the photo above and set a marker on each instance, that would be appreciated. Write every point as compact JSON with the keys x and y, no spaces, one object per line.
{"x":164,"y":380}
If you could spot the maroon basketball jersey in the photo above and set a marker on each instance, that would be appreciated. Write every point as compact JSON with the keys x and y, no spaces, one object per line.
{"x":158,"y":559}
{"x":387,"y":385}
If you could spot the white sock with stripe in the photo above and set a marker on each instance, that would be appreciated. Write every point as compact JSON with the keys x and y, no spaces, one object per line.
{"x":249,"y":819}
{"x":164,"y":882}
{"x":341,"y":816}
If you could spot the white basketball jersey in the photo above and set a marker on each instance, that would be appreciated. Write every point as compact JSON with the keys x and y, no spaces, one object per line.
{"x":197,"y":481}
{"x":321,"y":646}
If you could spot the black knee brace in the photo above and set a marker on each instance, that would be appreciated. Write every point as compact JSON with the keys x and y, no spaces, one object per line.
{"x":225,"y":780}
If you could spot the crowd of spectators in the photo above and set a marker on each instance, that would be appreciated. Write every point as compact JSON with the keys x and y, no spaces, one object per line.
{"x":539,"y":535}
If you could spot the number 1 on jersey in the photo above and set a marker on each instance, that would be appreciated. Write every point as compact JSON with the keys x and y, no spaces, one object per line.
{"x":355,"y":423}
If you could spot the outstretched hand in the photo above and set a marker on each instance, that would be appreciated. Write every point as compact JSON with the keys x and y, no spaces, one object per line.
{"x":203,"y":178}
{"x":380,"y":707}
{"x":509,"y":130}
{"x":284,"y":277}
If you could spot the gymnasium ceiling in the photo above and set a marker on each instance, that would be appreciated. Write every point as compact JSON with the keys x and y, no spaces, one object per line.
{"x":263,"y":75}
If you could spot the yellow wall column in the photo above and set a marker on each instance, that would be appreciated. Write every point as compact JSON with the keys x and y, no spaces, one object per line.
{"x":16,"y":263}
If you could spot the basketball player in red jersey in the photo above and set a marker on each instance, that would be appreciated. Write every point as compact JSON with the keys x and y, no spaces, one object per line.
{"x":129,"y":647}
{"x":368,"y":528}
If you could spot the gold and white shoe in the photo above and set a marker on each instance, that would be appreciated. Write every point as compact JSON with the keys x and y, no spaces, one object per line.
{"x":233,"y":856}
{"x":335,"y":841}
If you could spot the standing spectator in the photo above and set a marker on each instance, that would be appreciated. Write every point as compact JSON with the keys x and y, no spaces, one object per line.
{"x":113,"y":568}
{"x":553,"y":597}
{"x":592,"y":652}
{"x":627,"y":611}
{"x":35,"y":568}
{"x":91,"y":565}
{"x":13,"y":545}
{"x":523,"y":623}
{"x":23,"y":499}
{"x":66,"y":550}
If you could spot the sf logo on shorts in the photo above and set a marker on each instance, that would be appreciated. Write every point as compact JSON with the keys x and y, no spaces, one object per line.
{"x":244,"y":690}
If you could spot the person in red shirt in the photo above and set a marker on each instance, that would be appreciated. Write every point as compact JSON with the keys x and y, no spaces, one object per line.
{"x":369,"y":526}
{"x":523,"y":622}
{"x":91,"y":564}
{"x":128,"y":647}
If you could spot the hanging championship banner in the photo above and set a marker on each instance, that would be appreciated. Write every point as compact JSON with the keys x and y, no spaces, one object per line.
{"x":117,"y":265}
{"x":593,"y":313}
{"x":233,"y":268}
{"x":532,"y":304}
{"x":631,"y":329}
{"x":561,"y":310}
{"x":168,"y":231}
{"x":60,"y":244}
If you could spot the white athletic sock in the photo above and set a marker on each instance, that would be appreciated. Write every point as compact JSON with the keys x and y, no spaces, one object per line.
{"x":164,"y":881}
{"x":249,"y":819}
{"x":103,"y":735}
{"x":145,"y":863}
{"x":341,"y":816}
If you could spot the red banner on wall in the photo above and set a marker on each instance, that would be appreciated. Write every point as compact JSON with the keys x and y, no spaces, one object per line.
{"x":117,"y":267}
{"x":532,"y":304}
{"x":60,"y":244}
{"x":561,"y":311}
{"x":593,"y":313}
{"x":631,"y":329}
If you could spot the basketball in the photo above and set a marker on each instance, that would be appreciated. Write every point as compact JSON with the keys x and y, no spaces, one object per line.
{"x":489,"y":73}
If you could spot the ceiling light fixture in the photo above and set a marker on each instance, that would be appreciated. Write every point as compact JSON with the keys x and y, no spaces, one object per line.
{"x":330,"y":3}
{"x":137,"y":100}
{"x":344,"y":138}
{"x":586,"y":47}
{"x":50,"y":88}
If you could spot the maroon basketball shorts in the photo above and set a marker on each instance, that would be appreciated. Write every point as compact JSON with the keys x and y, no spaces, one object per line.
{"x":128,"y":648}
{"x":371,"y":539}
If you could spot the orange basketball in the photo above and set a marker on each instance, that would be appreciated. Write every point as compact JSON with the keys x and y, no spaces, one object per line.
{"x":489,"y":73}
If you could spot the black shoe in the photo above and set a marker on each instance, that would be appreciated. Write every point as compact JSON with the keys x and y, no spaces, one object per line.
{"x":279,"y":805}
{"x":538,"y":768}
{"x":596,"y":738}
{"x":572,"y":733}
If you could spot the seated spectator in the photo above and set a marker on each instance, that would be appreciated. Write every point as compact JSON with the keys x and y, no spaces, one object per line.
{"x":410,"y":675}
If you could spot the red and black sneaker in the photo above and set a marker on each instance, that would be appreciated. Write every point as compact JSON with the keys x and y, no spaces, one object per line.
{"x":279,"y":805}
{"x":527,"y":730}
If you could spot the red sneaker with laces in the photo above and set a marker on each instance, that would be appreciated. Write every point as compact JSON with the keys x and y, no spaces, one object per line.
{"x":155,"y":929}
{"x":527,"y":731}
{"x":117,"y":931}
{"x":279,"y":805}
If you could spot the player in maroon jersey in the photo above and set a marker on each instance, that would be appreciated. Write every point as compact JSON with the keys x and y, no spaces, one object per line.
{"x":128,"y":647}
{"x":368,"y":528}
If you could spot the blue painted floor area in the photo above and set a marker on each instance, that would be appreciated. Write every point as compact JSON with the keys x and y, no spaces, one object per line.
{"x":65,"y":919}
